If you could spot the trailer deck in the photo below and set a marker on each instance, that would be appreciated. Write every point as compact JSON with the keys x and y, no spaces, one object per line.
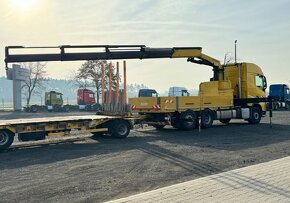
{"x":55,"y":119}
{"x":39,"y":128}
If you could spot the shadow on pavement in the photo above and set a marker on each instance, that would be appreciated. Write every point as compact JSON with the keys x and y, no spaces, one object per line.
{"x":233,"y":138}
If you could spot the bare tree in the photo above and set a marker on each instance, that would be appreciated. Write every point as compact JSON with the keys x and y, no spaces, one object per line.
{"x":34,"y":82}
{"x":92,"y":70}
{"x":228,"y":58}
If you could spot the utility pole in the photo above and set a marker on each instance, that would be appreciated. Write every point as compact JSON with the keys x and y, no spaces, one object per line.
{"x":236,"y":51}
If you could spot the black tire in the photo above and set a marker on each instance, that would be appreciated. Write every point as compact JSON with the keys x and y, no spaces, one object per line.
{"x":88,"y":108}
{"x":34,"y":108}
{"x":26,"y":109}
{"x":158,"y":127}
{"x":57,"y":108}
{"x":206,"y":118}
{"x":255,"y":117}
{"x":6,"y":139}
{"x":119,"y":129}
{"x":188,"y":120}
{"x":225,"y":121}
{"x":66,"y":108}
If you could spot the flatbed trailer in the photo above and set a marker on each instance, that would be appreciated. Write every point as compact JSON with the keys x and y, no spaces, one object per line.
{"x":40,"y":128}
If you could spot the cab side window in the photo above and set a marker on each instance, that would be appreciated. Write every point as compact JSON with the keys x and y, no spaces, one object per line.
{"x":259,"y":81}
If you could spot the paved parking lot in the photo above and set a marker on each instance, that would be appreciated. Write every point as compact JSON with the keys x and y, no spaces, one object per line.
{"x":85,"y":169}
{"x":265,"y":182}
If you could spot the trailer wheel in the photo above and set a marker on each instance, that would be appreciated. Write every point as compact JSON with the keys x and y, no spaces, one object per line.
{"x":188,"y":120}
{"x":225,"y":121}
{"x":255,"y":117}
{"x":206,"y":118}
{"x":119,"y":129}
{"x":6,"y":139}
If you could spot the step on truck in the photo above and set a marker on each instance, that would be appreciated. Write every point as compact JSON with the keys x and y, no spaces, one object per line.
{"x":235,"y":91}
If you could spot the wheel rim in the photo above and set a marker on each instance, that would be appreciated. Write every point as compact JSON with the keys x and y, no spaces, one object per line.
{"x":207,"y":119}
{"x":256,"y":115}
{"x":122,"y":130}
{"x":3,"y":138}
{"x":189,"y":120}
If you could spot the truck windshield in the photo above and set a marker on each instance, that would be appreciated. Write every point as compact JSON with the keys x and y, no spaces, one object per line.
{"x":147,"y":93}
{"x":276,"y":90}
{"x":92,"y":95}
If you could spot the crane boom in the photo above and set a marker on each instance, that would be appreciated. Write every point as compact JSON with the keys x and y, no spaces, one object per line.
{"x":110,"y":52}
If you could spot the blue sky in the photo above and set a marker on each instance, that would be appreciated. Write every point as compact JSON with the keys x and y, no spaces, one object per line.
{"x":262,"y":29}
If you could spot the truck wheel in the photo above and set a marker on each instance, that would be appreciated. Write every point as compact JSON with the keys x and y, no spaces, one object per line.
{"x":255,"y":117}
{"x":225,"y":121}
{"x":119,"y":129}
{"x":66,"y":108}
{"x":57,"y":108}
{"x":6,"y":139}
{"x":34,"y":108}
{"x":206,"y":118}
{"x":188,"y":120}
{"x":26,"y":109}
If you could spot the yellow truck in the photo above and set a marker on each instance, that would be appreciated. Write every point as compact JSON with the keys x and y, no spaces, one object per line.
{"x":234,"y":91}
{"x":237,"y":91}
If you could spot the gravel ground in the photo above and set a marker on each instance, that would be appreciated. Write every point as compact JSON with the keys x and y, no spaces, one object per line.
{"x":81,"y":168}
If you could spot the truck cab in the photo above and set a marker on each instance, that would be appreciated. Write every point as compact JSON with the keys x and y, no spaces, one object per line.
{"x":53,"y":101}
{"x":53,"y":98}
{"x":280,"y":93}
{"x":178,"y":91}
{"x":147,"y":93}
{"x":85,"y":96}
{"x":86,"y":100}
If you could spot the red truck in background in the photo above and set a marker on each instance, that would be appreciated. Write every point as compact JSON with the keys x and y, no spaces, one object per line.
{"x":86,"y":99}
{"x":86,"y":96}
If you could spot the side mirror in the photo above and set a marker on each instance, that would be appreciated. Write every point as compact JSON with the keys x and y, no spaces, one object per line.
{"x":264,"y":83}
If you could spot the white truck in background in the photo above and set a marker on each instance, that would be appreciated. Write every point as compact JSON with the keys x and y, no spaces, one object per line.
{"x":178,"y":91}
